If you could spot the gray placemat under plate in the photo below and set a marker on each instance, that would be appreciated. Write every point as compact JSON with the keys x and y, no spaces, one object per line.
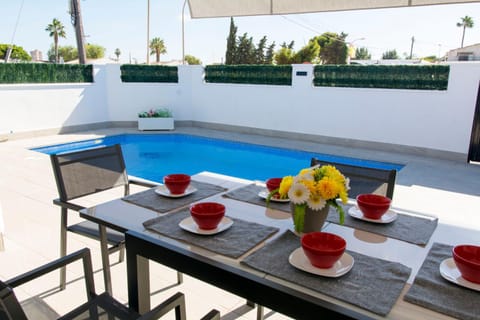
{"x":250,"y":193}
{"x":430,"y":290}
{"x":237,"y":240}
{"x":372,"y":284}
{"x":151,"y":200}
{"x":413,"y":229}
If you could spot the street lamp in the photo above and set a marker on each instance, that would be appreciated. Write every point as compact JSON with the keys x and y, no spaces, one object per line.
{"x":352,"y":47}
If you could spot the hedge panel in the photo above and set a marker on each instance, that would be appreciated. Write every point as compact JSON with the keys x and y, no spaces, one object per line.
{"x":148,"y":73}
{"x":45,"y":73}
{"x":249,"y":74}
{"x":434,"y":77}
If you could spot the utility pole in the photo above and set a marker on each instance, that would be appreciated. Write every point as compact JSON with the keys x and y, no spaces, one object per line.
{"x":183,"y":31}
{"x":76,"y":19}
{"x":411,"y":48}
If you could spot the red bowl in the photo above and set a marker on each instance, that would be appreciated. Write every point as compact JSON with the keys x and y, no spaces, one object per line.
{"x":373,"y":206}
{"x":467,"y":260}
{"x":323,"y":249}
{"x":273,"y":183}
{"x":207,"y":215}
{"x":177,"y":183}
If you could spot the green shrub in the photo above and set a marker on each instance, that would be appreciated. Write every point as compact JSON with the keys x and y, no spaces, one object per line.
{"x":148,"y":73}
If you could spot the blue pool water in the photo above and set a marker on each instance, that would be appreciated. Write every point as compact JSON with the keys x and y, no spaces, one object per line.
{"x":153,"y":156}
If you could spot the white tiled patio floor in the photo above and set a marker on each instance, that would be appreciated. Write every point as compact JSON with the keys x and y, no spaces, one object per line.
{"x":447,"y":189}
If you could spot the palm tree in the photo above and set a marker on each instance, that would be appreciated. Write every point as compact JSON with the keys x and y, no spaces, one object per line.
{"x":467,"y":22}
{"x":56,"y":30}
{"x":157,"y":47}
{"x":117,"y":53}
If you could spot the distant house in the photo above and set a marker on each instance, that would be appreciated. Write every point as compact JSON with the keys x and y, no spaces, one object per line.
{"x":390,"y":62}
{"x":469,"y":53}
{"x":36,"y":55}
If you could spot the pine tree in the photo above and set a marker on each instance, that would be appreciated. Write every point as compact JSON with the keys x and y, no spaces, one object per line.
{"x":270,"y":54}
{"x":260,"y":51}
{"x":362,"y":54}
{"x":231,"y":54}
{"x":245,"y":50}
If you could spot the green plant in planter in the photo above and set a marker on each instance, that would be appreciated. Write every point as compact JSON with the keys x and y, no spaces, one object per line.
{"x":156,"y":113}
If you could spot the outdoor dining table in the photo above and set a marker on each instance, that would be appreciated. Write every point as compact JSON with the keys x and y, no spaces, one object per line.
{"x":245,"y":269}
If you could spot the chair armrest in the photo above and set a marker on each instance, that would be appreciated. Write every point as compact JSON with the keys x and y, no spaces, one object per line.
{"x":177,"y":301}
{"x":212,"y":315}
{"x":68,"y":205}
{"x":143,"y":183}
{"x":83,"y":254}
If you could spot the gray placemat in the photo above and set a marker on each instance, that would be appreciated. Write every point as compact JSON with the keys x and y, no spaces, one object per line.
{"x":249,"y":194}
{"x":372,"y":284}
{"x":413,"y":229}
{"x":151,"y":200}
{"x":430,"y":290}
{"x":237,"y":240}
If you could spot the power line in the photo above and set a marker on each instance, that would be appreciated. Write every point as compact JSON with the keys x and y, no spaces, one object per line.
{"x":301,"y":25}
{"x":316,"y":31}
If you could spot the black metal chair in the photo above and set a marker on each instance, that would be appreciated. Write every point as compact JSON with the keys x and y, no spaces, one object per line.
{"x":101,"y":306}
{"x":363,"y":179}
{"x":82,"y":173}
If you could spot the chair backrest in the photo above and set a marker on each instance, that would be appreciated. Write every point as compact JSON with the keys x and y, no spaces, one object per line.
{"x":363,"y":179}
{"x":85,"y":172}
{"x":10,"y":308}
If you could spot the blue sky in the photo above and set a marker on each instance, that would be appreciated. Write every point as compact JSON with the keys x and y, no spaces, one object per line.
{"x":122,"y":24}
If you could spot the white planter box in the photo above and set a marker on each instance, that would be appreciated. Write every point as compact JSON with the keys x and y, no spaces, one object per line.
{"x":155,"y":124}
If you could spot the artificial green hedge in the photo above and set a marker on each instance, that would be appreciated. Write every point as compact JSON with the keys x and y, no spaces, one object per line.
{"x":45,"y":73}
{"x":251,"y":74}
{"x":148,"y":73}
{"x":434,"y":77}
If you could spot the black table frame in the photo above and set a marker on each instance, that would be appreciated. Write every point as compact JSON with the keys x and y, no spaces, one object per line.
{"x":257,"y":289}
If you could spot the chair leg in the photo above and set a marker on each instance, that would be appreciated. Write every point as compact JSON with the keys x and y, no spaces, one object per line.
{"x":107,"y":278}
{"x":259,"y":309}
{"x":259,"y":312}
{"x":121,"y":254}
{"x":63,"y":246}
{"x":2,"y":243}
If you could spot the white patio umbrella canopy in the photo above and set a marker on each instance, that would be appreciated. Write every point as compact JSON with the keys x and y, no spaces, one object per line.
{"x":231,"y":8}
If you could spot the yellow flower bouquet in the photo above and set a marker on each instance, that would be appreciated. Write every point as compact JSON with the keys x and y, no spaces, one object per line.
{"x":314,"y":188}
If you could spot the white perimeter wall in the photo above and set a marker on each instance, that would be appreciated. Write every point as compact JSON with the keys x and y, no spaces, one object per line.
{"x":440,"y":120}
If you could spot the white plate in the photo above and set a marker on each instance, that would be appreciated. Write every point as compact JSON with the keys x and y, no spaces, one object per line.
{"x":449,"y":270}
{"x":388,"y":217}
{"x":299,"y":260}
{"x":189,"y":224}
{"x":163,"y":191}
{"x":264,"y":194}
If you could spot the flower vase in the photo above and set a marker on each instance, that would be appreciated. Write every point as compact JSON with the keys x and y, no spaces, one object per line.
{"x":313,"y":219}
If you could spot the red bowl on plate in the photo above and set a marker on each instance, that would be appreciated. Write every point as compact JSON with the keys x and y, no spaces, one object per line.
{"x":373,"y":206}
{"x":177,"y":183}
{"x":207,"y":215}
{"x":323,"y":249}
{"x":467,"y":260}
{"x":273,"y":183}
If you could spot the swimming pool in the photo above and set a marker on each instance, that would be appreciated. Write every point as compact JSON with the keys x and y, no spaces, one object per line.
{"x":153,"y":156}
